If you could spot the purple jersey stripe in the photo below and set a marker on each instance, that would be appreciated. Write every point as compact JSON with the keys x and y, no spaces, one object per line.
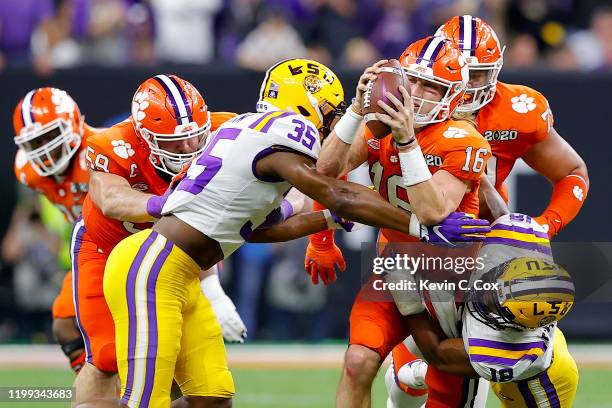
{"x":435,"y":54}
{"x":551,"y":392}
{"x":76,"y":239}
{"x":131,"y":304}
{"x":258,"y":121}
{"x":531,"y":246}
{"x":211,"y":164}
{"x":522,"y":230}
{"x":266,"y":127}
{"x":183,"y":96}
{"x":461,"y":33}
{"x":530,"y":401}
{"x":424,"y":50}
{"x":502,"y":345}
{"x":474,"y":33}
{"x":152,"y":338}
{"x":481,"y":358}
{"x":177,"y":113}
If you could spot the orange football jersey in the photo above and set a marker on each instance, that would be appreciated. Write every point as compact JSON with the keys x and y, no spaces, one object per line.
{"x":68,"y":192}
{"x":121,"y":150}
{"x":517,"y":118}
{"x":454,"y":146}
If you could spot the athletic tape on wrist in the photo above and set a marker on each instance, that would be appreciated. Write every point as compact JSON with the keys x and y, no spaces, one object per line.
{"x":414,"y":168}
{"x":348,"y":125}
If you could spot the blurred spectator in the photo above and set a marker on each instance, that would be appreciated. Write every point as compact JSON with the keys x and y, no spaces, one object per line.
{"x":140,"y":33}
{"x":359,"y":53}
{"x":53,"y":45}
{"x":522,"y":52}
{"x":296,"y":304}
{"x":33,"y":250}
{"x":101,"y":25}
{"x":272,"y":41}
{"x":332,"y":24}
{"x":18,"y":20}
{"x":184,"y":30}
{"x":402,"y":22}
{"x":601,"y":25}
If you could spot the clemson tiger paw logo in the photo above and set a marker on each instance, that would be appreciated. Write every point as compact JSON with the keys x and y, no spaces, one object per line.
{"x":454,"y":133}
{"x":63,"y":103}
{"x":578,"y":193}
{"x":139,"y":104}
{"x":122,"y":149}
{"x":523,"y":103}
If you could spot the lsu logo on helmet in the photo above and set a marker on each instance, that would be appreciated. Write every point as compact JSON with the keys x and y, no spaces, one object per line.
{"x":305,"y":87}
{"x":531,"y":293}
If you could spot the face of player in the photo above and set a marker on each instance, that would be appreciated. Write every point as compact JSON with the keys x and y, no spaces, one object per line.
{"x":183,"y":146}
{"x":425,"y":93}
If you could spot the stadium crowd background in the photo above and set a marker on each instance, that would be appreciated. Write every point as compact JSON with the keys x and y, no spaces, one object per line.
{"x":52,"y":34}
{"x":267,"y":282}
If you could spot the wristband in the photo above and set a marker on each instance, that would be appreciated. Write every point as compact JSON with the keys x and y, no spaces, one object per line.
{"x":155,"y":204}
{"x":414,"y":168}
{"x":414,"y":227}
{"x":329,"y":218}
{"x":286,"y":209}
{"x":405,"y":143}
{"x":211,"y":286}
{"x":348,"y":125}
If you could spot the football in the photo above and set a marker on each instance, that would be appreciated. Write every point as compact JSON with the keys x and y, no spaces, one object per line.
{"x":389,"y":79}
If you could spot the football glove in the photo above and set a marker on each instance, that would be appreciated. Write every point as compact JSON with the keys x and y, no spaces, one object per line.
{"x":457,"y":227}
{"x":232,"y":326}
{"x":322,"y":256}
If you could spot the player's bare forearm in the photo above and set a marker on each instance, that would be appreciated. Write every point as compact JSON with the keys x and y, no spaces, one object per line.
{"x":555,"y":159}
{"x":348,"y":200}
{"x":490,"y":197}
{"x":445,"y":354}
{"x":294,"y":227}
{"x":114,"y":196}
{"x":334,"y":156}
{"x":433,"y":200}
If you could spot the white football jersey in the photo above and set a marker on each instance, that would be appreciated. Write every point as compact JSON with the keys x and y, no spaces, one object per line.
{"x":221,"y":195}
{"x":509,"y":354}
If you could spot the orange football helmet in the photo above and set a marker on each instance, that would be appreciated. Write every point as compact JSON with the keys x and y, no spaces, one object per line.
{"x":48,"y":128}
{"x":171,"y":115}
{"x":480,"y":46}
{"x":436,"y":60}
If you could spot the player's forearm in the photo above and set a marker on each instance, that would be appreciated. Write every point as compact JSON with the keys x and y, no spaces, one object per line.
{"x":450,"y":357}
{"x":126,"y":204}
{"x":334,"y":156}
{"x":358,"y":203}
{"x":429,"y":202}
{"x":294,"y":227}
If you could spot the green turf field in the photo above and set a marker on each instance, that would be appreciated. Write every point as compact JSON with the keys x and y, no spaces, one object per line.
{"x":276,"y":388}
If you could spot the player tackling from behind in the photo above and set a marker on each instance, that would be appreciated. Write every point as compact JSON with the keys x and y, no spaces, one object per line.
{"x":51,"y":135}
{"x":164,"y":326}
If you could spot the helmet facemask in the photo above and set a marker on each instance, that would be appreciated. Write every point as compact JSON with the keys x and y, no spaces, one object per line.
{"x":49,"y":147}
{"x":171,"y":162}
{"x":485,"y":307}
{"x":441,"y":109}
{"x":478,"y":96}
